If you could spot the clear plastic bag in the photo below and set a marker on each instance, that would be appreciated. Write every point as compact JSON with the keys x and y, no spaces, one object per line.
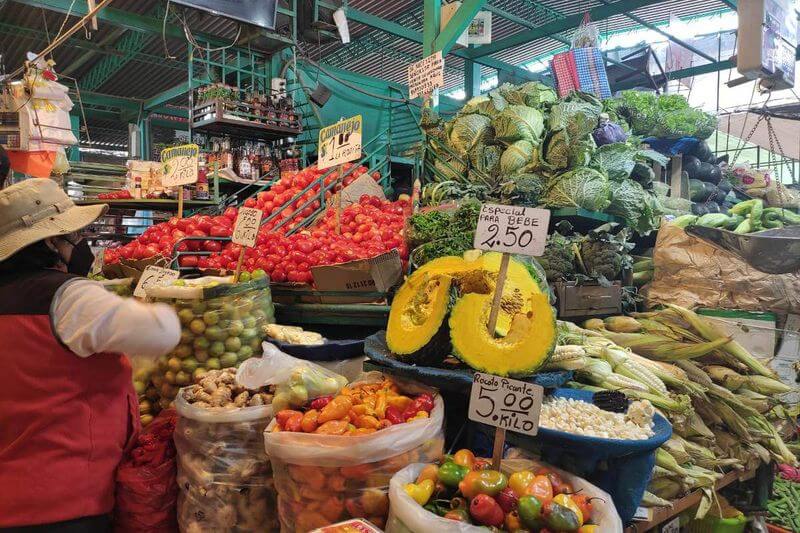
{"x":587,"y":34}
{"x":224,"y":475}
{"x":221,"y":326}
{"x":323,"y":479}
{"x":407,"y":516}
{"x":297,"y":381}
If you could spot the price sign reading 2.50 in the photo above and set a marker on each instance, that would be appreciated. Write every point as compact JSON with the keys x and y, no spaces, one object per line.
{"x":505,"y":403}
{"x":512,"y":229}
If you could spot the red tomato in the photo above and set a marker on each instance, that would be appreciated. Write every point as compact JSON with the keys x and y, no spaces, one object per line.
{"x":231,"y":213}
{"x":188,"y":261}
{"x":250,"y":202}
{"x":212,"y":246}
{"x":278,"y":276}
{"x":220,"y":231}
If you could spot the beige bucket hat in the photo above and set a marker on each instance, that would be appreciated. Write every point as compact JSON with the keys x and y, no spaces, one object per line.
{"x":37,"y":208}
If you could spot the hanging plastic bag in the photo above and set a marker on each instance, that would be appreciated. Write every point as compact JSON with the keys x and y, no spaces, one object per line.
{"x":323,"y":479}
{"x":407,"y":516}
{"x":146,"y":491}
{"x":223,"y":473}
{"x":587,"y":34}
{"x":297,"y":381}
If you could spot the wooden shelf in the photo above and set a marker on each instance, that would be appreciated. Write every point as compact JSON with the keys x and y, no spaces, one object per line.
{"x":659,"y":515}
{"x":216,"y":117}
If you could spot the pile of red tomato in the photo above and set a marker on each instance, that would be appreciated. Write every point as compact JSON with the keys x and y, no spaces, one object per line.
{"x":368,"y":228}
{"x":161,"y":238}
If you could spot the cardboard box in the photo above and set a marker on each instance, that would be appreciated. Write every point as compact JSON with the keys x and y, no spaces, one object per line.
{"x":360,"y":281}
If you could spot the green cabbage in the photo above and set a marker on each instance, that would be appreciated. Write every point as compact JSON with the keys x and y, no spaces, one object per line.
{"x":519,"y":123}
{"x":486,"y":158}
{"x":449,"y":169}
{"x":532,"y":94}
{"x":580,"y":152}
{"x":516,"y":157}
{"x":582,"y":187}
{"x":527,"y":190}
{"x":638,"y":207}
{"x":616,"y":159}
{"x":468,"y":131}
{"x":556,"y":150}
{"x":490,"y":105}
{"x":577,"y":115}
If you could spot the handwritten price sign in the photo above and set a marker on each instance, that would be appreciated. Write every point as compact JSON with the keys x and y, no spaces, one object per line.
{"x":425,"y":76}
{"x":505,"y":403}
{"x":179,"y":165}
{"x":512,"y":229}
{"x":245,"y":230}
{"x":339,"y":143}
{"x":152,"y":277}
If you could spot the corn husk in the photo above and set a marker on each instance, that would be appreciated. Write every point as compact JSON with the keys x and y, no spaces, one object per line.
{"x":674,"y":447}
{"x":651,"y":500}
{"x":622,"y":324}
{"x":711,"y":332}
{"x":666,"y":488}
{"x":594,"y":324}
{"x":726,"y":377}
{"x":663,"y":348}
{"x":767,"y":385}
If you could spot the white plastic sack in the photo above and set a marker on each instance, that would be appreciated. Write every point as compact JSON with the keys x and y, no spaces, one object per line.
{"x":349,"y":368}
{"x":407,"y":516}
{"x":324,"y":479}
{"x":224,"y":476}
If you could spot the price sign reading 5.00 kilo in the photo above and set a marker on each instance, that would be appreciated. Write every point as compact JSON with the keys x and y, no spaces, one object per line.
{"x":245,"y":231}
{"x":505,"y":403}
{"x":512,"y":229}
{"x":339,"y":143}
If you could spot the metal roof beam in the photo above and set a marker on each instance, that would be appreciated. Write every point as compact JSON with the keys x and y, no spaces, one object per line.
{"x":733,"y":4}
{"x":459,"y":22}
{"x":133,"y":21}
{"x":556,"y":36}
{"x":557,"y":26}
{"x":165,"y":96}
{"x":415,"y":36}
{"x":669,"y":36}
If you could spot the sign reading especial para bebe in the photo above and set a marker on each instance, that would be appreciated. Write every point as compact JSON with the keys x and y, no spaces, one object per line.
{"x":512,"y":229}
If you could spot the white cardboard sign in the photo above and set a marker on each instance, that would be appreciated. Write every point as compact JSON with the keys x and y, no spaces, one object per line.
{"x":339,"y":143}
{"x":245,"y":230}
{"x":153,"y":276}
{"x":512,"y":229}
{"x":505,"y":403}
{"x":180,"y":165}
{"x":426,"y":75}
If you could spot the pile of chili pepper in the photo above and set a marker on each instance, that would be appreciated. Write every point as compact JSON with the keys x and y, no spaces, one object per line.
{"x":464,"y":488}
{"x":358,"y":410}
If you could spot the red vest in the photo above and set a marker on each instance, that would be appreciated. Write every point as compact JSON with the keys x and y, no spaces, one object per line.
{"x":64,"y":420}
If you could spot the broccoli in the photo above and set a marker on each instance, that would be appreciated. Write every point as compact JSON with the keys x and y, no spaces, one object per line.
{"x":558,"y":260}
{"x":604,"y":254}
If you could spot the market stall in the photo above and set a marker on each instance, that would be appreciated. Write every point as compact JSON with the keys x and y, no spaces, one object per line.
{"x":555,"y":305}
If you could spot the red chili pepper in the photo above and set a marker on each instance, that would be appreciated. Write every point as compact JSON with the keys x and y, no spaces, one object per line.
{"x":322,"y":401}
{"x":409,"y":411}
{"x":425,"y":402}
{"x":394,"y":415}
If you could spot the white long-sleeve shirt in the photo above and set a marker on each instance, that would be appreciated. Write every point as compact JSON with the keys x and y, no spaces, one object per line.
{"x":89,"y":319}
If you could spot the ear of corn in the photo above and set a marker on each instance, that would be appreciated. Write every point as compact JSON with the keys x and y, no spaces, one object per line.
{"x":651,"y":500}
{"x":726,"y":377}
{"x":766,"y":385}
{"x":622,"y":324}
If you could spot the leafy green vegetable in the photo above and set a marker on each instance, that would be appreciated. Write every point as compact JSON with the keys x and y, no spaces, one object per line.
{"x":638,"y":207}
{"x":516,"y":157}
{"x":468,"y":131}
{"x":519,"y":123}
{"x":531,"y":94}
{"x":486,"y":158}
{"x":558,"y":260}
{"x":556,"y":150}
{"x":580,"y":152}
{"x":604,"y":253}
{"x":490,"y":105}
{"x":577,"y":115}
{"x":427,"y":226}
{"x":617,"y":160}
{"x":526,"y":190}
{"x":582,"y":187}
{"x":667,"y":115}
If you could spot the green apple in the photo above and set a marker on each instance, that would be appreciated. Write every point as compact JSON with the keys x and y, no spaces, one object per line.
{"x":233,"y":344}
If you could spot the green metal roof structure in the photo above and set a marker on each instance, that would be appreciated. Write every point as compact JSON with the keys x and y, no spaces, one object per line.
{"x":136,"y":63}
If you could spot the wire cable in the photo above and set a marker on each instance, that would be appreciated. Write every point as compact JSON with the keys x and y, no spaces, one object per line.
{"x":167,"y":54}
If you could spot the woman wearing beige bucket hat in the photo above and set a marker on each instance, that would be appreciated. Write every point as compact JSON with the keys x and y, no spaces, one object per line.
{"x":67,"y":407}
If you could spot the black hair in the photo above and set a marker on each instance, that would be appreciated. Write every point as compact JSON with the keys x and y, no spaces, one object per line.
{"x":5,"y":167}
{"x":35,"y":256}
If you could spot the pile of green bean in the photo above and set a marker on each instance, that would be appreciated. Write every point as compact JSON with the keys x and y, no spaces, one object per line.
{"x":784,"y":507}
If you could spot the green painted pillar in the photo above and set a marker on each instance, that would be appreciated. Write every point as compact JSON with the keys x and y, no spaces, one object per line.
{"x":73,"y":152}
{"x":432,"y":21}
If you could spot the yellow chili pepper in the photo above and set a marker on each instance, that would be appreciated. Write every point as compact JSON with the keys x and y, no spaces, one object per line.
{"x":421,"y":492}
{"x":380,"y":404}
{"x":589,"y":528}
{"x":569,"y":503}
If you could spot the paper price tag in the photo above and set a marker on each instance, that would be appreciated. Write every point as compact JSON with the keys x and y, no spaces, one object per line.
{"x":154,"y":276}
{"x":512,"y":229}
{"x":673,"y":526}
{"x":505,"y":403}
{"x":425,"y":76}
{"x":179,"y":165}
{"x":245,"y":230}
{"x":339,"y":143}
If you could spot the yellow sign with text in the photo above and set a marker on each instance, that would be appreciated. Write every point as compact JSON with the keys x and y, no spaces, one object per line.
{"x":339,"y":143}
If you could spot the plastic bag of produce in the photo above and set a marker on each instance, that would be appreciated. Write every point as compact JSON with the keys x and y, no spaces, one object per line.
{"x":407,"y":516}
{"x":297,"y":381}
{"x":146,"y":492}
{"x":223,"y":473}
{"x":221,"y":326}
{"x":322,"y":479}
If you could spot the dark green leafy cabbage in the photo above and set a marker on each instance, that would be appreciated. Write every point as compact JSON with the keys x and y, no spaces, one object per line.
{"x":519,"y":123}
{"x":638,"y":207}
{"x":469,"y":131}
{"x":582,"y":187}
{"x":516,"y":157}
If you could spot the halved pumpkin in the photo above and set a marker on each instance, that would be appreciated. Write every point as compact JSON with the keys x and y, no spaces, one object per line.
{"x":417,"y":331}
{"x":529,"y":343}
{"x":519,"y":284}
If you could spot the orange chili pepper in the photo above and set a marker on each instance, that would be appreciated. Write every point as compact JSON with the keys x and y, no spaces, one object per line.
{"x":336,"y":483}
{"x":380,"y":404}
{"x":541,"y":488}
{"x":310,"y":493}
{"x":307,"y":475}
{"x":332,"y":508}
{"x":284,"y":415}
{"x":375,"y":502}
{"x":335,"y":410}
{"x":309,"y":423}
{"x":333,"y":427}
{"x":367,"y":421}
{"x":401,"y":402}
{"x":294,"y":422}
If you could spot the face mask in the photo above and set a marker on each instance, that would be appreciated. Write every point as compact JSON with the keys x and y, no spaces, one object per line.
{"x":80,"y":263}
